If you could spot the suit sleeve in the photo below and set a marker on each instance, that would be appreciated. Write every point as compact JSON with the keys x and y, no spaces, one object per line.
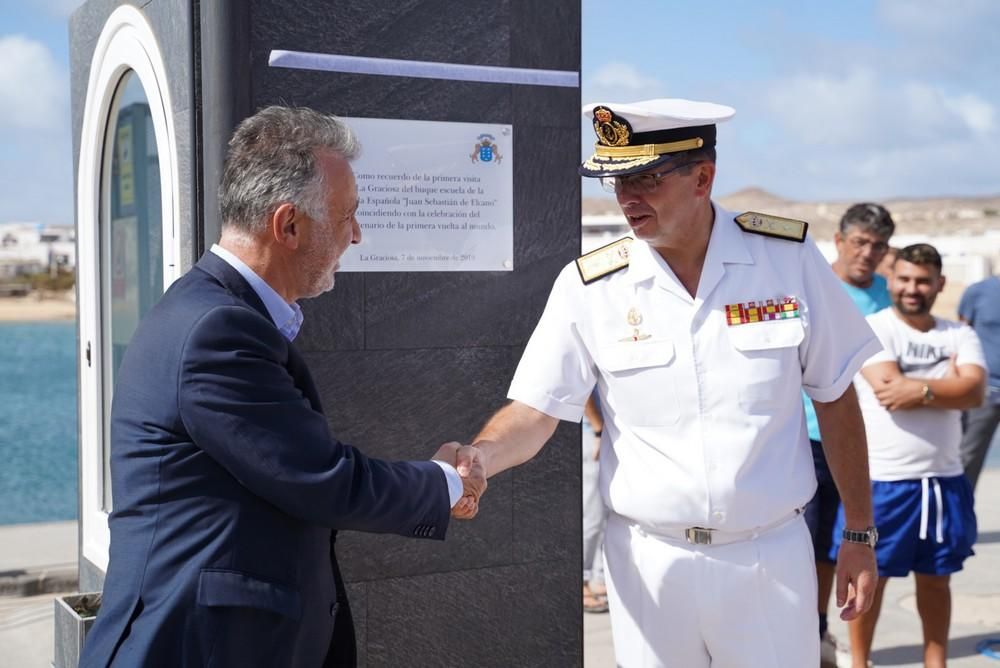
{"x":241,"y":406}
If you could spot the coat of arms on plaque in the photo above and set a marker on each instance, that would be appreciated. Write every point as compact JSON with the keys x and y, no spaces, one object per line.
{"x":486,"y":150}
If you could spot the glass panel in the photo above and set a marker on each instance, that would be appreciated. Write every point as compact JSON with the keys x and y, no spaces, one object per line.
{"x":131,"y":237}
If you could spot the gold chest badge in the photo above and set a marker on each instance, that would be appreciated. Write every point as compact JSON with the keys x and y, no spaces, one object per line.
{"x":634,"y":319}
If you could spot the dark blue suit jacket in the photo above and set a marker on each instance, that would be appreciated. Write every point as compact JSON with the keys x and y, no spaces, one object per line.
{"x":227,"y":483}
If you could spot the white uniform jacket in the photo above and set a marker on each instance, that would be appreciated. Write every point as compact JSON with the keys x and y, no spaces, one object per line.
{"x":703,"y":419}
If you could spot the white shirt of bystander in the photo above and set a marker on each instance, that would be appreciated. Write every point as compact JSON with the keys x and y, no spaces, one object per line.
{"x":916,"y":442}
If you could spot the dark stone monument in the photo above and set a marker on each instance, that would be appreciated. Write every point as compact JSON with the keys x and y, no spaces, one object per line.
{"x":405,"y":361}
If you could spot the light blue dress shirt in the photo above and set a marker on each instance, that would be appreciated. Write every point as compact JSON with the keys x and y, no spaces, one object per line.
{"x":288,"y":319}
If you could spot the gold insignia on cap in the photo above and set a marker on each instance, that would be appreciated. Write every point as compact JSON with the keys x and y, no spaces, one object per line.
{"x":642,"y":150}
{"x":611,"y":129}
{"x":773,"y":226}
{"x":634,"y":317}
{"x":603,"y":261}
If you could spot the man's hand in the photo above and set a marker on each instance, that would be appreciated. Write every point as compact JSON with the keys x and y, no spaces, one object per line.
{"x":857,"y":576}
{"x":470,"y":464}
{"x":899,"y":393}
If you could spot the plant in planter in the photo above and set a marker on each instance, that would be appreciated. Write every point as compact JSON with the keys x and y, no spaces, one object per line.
{"x":74,"y":615}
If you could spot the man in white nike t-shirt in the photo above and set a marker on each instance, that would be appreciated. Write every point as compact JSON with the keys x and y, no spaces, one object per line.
{"x":911,"y":395}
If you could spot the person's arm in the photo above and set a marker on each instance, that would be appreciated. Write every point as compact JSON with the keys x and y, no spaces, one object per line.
{"x":966,"y":305}
{"x":960,"y":390}
{"x":512,"y":436}
{"x":846,"y":450}
{"x":593,"y":415}
{"x":239,"y":404}
{"x":596,"y":421}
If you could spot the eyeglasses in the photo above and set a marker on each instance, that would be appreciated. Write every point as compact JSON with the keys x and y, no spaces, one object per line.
{"x":640,"y":183}
{"x":860,"y":243}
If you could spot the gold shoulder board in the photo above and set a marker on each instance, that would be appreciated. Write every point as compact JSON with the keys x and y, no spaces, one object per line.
{"x":773,"y":226}
{"x":605,"y":260}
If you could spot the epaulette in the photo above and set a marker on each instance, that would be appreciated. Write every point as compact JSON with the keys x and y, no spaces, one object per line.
{"x":773,"y":226}
{"x":603,"y":261}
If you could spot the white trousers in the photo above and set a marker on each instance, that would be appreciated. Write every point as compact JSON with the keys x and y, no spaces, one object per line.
{"x":748,"y":604}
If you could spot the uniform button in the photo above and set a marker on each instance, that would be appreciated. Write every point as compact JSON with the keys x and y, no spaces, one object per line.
{"x":333,"y":609}
{"x":430,"y":533}
{"x":719,"y":516}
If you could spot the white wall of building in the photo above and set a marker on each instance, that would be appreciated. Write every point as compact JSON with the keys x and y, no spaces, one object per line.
{"x":31,"y":247}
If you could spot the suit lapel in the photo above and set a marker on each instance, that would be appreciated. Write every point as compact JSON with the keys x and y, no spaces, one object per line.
{"x":230,"y":279}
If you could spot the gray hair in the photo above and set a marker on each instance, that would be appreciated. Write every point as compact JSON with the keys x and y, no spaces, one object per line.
{"x":868,"y":217}
{"x":272,"y":160}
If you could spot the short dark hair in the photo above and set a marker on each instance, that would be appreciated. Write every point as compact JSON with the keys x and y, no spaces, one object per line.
{"x":706,"y":154}
{"x":868,"y":217}
{"x":922,"y":254}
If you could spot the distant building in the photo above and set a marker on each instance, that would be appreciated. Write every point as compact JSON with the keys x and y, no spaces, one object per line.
{"x":32,"y":248}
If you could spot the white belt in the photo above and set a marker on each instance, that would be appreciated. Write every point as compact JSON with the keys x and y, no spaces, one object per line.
{"x":925,"y":502}
{"x":704,"y":536}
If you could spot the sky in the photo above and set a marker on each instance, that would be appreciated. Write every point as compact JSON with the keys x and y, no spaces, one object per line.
{"x":842,"y":101}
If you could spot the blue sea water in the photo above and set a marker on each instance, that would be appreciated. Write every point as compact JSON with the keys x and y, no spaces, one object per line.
{"x":38,"y":431}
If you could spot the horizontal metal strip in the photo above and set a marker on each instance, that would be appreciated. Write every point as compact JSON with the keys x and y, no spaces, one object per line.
{"x":327,"y":62}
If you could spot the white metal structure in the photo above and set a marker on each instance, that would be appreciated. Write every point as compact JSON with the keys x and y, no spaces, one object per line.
{"x":126,"y":45}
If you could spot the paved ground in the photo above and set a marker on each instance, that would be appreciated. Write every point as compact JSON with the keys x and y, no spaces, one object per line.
{"x":26,"y":621}
{"x":975,"y":605}
{"x":26,"y":631}
{"x":33,"y":558}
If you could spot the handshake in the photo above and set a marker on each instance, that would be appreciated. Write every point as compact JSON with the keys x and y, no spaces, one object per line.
{"x":470,"y":463}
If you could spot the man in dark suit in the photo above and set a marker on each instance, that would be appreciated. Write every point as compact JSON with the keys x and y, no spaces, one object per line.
{"x":227,"y":481}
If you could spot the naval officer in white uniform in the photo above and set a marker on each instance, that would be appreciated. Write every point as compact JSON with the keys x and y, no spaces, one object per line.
{"x":699,"y":335}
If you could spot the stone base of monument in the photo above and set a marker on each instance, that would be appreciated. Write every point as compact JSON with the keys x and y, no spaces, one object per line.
{"x":73,"y":617}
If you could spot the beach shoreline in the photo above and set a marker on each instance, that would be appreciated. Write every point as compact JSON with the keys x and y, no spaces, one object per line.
{"x":34,"y":308}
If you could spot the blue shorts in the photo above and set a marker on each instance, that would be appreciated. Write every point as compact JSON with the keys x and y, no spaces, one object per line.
{"x":821,"y":511}
{"x":916,"y":532}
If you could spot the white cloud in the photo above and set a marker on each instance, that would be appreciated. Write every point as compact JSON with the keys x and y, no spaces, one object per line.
{"x":624,"y":76}
{"x":947,"y":39}
{"x":32,"y":85}
{"x":939,"y":17}
{"x":818,"y":109}
{"x":862,"y":110}
{"x":621,"y":82}
{"x":976,"y":112}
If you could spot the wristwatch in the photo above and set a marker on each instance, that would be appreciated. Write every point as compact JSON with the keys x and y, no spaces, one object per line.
{"x":926,"y":396}
{"x":867,"y":537}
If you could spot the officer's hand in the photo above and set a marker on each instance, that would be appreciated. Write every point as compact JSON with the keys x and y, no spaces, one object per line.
{"x":857,"y":576}
{"x":471,"y":465}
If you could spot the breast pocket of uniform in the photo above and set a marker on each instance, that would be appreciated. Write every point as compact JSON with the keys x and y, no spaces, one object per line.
{"x":640,"y":376}
{"x":768,"y":374}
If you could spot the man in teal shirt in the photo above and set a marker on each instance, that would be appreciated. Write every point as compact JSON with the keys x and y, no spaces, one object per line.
{"x":862,"y":241}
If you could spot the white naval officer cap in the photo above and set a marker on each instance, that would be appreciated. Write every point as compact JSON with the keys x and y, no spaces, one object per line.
{"x":637,"y":136}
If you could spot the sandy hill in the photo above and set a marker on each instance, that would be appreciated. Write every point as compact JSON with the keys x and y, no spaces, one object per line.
{"x":923,"y":216}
